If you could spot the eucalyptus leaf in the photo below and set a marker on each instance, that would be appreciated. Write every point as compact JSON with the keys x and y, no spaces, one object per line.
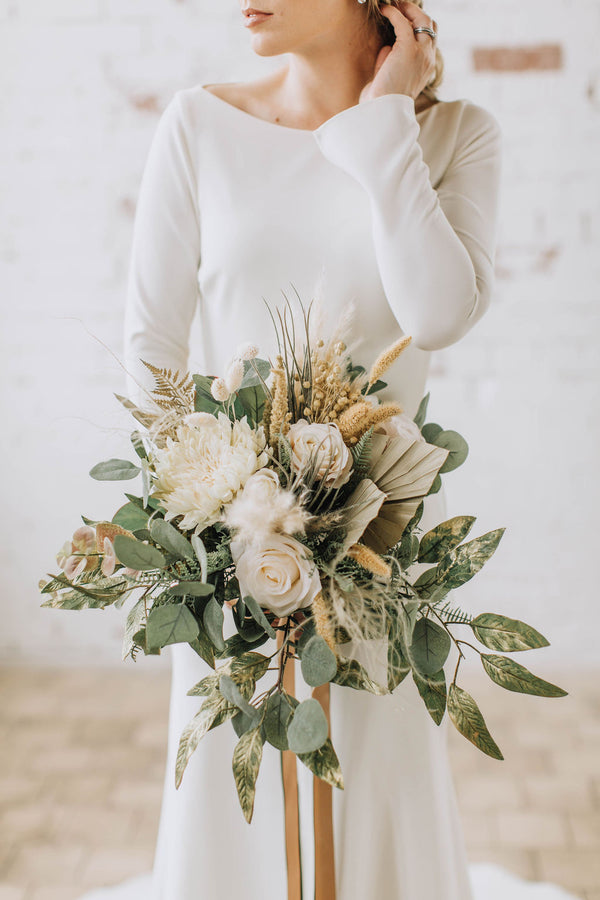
{"x":308,"y":630}
{"x":430,"y":431}
{"x":443,"y":538}
{"x":171,"y":539}
{"x":251,"y":379}
{"x":513,"y":676}
{"x":145,"y":483}
{"x":429,"y":647}
{"x":213,"y":620}
{"x":201,"y":555}
{"x":277,"y":716}
{"x":466,"y":716}
{"x":171,"y":623}
{"x":398,"y":665}
{"x":247,"y":757}
{"x":419,"y":419}
{"x":192,"y":589}
{"x":501,"y":633}
{"x":253,"y":403}
{"x":115,"y":470}
{"x":433,"y":693}
{"x":137,"y":555}
{"x":131,"y":517}
{"x":319,"y":662}
{"x":236,"y":645}
{"x":258,"y":615}
{"x":243,"y":723}
{"x":308,"y":728}
{"x":231,"y":692}
{"x":457,"y":447}
{"x":436,"y":485}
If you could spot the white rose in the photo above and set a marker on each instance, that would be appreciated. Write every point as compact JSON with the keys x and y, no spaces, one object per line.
{"x":323,"y":442}
{"x":400,"y":425}
{"x":278,"y":573}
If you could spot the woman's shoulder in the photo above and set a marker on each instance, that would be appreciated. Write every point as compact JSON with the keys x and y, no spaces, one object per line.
{"x":475,"y":118}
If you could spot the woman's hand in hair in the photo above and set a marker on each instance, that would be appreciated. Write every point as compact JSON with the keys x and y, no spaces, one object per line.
{"x":407,"y":66}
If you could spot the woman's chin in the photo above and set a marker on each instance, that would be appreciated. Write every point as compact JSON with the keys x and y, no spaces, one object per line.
{"x":262,"y":46}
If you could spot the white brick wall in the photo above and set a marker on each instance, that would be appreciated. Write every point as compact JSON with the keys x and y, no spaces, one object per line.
{"x":81,"y":85}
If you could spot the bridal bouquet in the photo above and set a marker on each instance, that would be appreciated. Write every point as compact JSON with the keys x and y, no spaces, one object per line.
{"x":289,"y":495}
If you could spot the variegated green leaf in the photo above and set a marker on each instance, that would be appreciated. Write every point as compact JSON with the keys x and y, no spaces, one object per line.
{"x":213,"y":712}
{"x":351,"y":673}
{"x":513,"y":676}
{"x":136,"y":617}
{"x":501,"y":633}
{"x":466,"y":716}
{"x":324,"y":764}
{"x":247,"y":757}
{"x":462,"y":563}
{"x":443,"y":538}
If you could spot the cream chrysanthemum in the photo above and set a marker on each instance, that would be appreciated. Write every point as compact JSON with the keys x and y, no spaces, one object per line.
{"x":206,"y":466}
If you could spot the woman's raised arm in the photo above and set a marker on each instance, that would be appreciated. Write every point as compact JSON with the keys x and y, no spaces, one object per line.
{"x":162,"y":292}
{"x":435,"y":248}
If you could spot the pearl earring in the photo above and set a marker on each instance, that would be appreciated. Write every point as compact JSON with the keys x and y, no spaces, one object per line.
{"x":362,"y":1}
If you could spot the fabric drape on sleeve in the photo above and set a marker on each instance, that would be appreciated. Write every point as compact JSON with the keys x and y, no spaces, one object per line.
{"x":162,"y":291}
{"x":435,"y":248}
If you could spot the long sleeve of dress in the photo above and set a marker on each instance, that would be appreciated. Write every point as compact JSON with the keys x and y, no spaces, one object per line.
{"x":162,"y":290}
{"x":435,"y":248}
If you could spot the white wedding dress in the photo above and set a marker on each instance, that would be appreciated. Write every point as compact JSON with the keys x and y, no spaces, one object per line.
{"x":394,"y":215}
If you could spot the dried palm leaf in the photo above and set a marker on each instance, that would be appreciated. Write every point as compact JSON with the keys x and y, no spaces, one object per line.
{"x":362,"y":506}
{"x":404,"y":470}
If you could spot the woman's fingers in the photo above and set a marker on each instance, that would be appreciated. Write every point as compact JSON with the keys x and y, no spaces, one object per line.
{"x":408,"y":16}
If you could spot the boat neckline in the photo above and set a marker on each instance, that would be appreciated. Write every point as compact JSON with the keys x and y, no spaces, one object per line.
{"x":266,"y":122}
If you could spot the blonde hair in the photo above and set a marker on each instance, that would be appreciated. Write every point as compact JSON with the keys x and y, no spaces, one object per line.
{"x":386,"y":33}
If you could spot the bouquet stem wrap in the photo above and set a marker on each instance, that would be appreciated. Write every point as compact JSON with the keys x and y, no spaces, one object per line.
{"x":322,"y":804}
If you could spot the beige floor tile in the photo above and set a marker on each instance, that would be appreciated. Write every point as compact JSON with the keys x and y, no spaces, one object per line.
{"x":56,"y":892}
{"x":12,"y":892}
{"x":560,"y":792}
{"x":105,"y":867}
{"x":519,"y":862}
{"x":83,"y":766}
{"x":585,"y":829}
{"x":529,"y":830}
{"x":481,"y":792}
{"x":45,"y":862}
{"x":573,"y":868}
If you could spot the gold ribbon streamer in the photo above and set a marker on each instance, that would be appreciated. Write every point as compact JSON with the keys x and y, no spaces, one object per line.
{"x":322,"y":806}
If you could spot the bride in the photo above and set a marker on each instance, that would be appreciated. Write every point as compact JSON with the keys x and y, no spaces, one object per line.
{"x":342,"y":175}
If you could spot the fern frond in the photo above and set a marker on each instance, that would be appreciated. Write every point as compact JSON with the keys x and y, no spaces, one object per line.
{"x":173,"y":390}
{"x":361,"y":452}
{"x":452,"y":615}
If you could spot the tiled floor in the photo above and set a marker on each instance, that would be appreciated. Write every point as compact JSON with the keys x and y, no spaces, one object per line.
{"x":82,"y":763}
